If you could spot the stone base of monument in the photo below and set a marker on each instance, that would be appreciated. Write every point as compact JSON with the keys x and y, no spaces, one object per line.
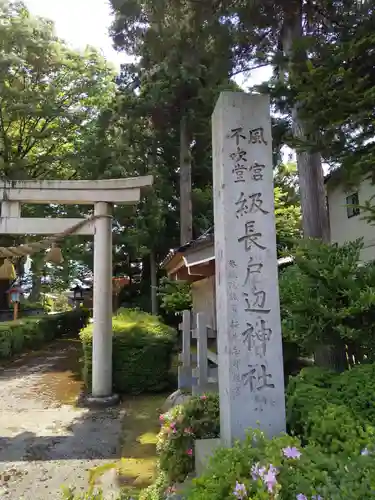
{"x":90,"y":401}
{"x":204,"y":449}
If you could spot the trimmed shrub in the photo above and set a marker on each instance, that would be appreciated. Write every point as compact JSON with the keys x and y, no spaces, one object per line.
{"x":199,"y":418}
{"x":32,"y":332}
{"x":356,"y":388}
{"x":263,"y":469}
{"x":142,"y":352}
{"x":330,"y":411}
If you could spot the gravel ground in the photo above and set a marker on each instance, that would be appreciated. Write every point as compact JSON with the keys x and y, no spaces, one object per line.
{"x":45,"y":444}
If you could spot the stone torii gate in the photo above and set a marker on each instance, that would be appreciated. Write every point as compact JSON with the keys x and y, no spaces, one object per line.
{"x":101,"y":194}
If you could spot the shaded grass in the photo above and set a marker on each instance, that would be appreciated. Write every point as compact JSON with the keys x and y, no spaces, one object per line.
{"x":140,"y":429}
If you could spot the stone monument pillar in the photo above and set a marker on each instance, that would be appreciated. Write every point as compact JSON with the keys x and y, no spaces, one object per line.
{"x":251,"y":380}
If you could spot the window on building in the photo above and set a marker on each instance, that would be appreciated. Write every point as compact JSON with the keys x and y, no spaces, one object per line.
{"x":352,"y":203}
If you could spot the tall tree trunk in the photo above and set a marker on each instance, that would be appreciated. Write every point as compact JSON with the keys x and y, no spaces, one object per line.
{"x":4,"y":298}
{"x":153,"y":265}
{"x":186,"y":217}
{"x":310,"y":171}
{"x":154,"y":284}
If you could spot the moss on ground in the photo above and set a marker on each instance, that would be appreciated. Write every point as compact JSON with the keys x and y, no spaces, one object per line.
{"x":140,"y":430}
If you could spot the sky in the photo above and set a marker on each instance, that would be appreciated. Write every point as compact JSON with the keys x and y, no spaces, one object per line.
{"x":80,"y":23}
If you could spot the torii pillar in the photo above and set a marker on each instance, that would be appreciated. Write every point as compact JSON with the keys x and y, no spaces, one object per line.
{"x":102,"y":194}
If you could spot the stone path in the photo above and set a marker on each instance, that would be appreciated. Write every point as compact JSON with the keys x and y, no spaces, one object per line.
{"x":44,"y":443}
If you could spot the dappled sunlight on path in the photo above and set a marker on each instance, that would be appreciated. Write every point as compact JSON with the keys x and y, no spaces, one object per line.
{"x":45,"y":442}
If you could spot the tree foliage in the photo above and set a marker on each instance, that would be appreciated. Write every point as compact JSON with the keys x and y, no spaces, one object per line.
{"x":327,"y":297}
{"x":49,"y":94}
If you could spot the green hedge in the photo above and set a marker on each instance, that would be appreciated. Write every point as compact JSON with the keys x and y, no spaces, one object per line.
{"x":333,"y":411}
{"x":32,"y":332}
{"x":331,"y":422}
{"x":142,"y":352}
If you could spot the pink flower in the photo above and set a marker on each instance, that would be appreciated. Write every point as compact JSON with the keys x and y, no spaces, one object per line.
{"x":161,"y":418}
{"x":203,"y":397}
{"x":189,"y":452}
{"x":188,"y":430}
{"x":171,"y":489}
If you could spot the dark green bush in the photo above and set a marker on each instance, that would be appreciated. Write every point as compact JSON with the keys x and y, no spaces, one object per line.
{"x":175,"y":295}
{"x":32,"y":332}
{"x":330,"y":411}
{"x":356,"y":388}
{"x":327,"y":298}
{"x":142,"y":352}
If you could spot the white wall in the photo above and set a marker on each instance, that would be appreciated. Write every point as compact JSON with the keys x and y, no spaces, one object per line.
{"x":344,"y":229}
{"x":203,"y":294}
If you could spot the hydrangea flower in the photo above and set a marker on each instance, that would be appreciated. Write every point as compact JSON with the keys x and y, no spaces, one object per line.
{"x":240,"y":491}
{"x":301,"y":496}
{"x":291,"y":452}
{"x":203,"y":397}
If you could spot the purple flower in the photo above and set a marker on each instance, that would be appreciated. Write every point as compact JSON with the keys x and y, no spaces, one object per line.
{"x":257,"y":472}
{"x":291,"y":452}
{"x":301,"y":496}
{"x":269,"y":478}
{"x":365,"y":452}
{"x":240,"y":491}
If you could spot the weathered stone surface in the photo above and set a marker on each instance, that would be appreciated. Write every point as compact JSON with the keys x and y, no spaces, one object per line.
{"x":204,"y":449}
{"x":251,"y":380}
{"x":175,"y":399}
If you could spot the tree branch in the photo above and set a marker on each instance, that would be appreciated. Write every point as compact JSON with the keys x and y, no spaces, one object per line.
{"x":248,"y":69}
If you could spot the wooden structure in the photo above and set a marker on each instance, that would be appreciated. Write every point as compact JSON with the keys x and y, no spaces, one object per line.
{"x":195,"y":263}
{"x":197,"y":372}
